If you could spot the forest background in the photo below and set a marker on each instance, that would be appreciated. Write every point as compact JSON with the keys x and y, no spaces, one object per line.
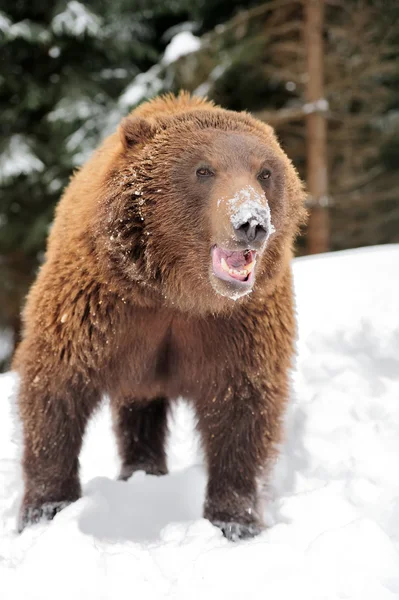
{"x":70,"y":70}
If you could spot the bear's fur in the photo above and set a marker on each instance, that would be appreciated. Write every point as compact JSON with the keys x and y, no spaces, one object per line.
{"x":127,"y":303}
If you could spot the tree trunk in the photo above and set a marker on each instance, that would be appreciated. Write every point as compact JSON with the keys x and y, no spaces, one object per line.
{"x":318,"y":227}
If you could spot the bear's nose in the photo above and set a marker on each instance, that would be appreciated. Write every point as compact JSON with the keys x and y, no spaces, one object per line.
{"x":252,"y":224}
{"x":252,"y":231}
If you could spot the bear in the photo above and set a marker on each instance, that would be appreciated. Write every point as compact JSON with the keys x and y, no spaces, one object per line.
{"x":167,"y":274}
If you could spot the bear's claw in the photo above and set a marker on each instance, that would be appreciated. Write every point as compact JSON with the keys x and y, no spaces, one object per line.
{"x":31,"y":515}
{"x":234,"y":531}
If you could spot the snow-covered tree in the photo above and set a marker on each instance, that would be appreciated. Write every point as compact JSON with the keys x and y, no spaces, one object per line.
{"x":64,"y":66}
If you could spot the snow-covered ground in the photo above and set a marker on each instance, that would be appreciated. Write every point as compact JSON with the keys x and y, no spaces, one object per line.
{"x":334,"y":498}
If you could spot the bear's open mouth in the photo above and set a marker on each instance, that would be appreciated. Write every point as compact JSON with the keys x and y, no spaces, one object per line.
{"x":237,"y":266}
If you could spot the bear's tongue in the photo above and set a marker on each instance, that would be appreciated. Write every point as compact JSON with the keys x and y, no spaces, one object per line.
{"x":233,"y":265}
{"x":235,"y":260}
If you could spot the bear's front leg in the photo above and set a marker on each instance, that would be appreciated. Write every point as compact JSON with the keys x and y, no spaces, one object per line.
{"x":240,"y":427}
{"x":53,"y":423}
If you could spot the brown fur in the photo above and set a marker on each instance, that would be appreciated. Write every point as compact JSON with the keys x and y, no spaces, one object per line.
{"x":124,"y":305}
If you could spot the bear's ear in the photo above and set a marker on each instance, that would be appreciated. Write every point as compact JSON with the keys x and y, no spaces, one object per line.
{"x":135,"y":130}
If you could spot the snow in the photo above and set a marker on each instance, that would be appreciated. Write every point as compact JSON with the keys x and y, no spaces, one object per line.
{"x":181,"y":44}
{"x":6,"y":338}
{"x":5,"y":23}
{"x":248,"y":205}
{"x":26,"y":29}
{"x":70,"y":109}
{"x":54,"y":51}
{"x":145,"y":85}
{"x":149,"y":84}
{"x":113,"y":73}
{"x":320,"y":105}
{"x":85,"y":138}
{"x":18,"y":159}
{"x":333,"y":509}
{"x":76,"y":20}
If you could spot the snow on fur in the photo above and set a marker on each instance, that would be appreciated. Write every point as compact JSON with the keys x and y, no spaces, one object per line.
{"x":333,"y":505}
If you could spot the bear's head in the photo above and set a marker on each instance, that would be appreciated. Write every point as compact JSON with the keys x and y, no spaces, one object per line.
{"x":202,"y":207}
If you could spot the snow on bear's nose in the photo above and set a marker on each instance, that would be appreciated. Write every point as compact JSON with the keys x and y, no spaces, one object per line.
{"x":251,"y":216}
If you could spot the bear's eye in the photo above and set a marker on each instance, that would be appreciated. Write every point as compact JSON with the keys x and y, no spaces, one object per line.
{"x":204,"y":172}
{"x":265,"y":175}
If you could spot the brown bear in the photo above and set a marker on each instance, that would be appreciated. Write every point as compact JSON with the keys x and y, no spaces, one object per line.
{"x":167,"y":274}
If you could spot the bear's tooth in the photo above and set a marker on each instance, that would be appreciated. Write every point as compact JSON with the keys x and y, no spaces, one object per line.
{"x":224,"y":265}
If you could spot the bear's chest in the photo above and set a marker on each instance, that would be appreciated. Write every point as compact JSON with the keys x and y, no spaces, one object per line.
{"x":171,"y":355}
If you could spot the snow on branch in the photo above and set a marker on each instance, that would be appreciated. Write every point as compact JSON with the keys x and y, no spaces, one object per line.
{"x":26,"y":29}
{"x":283,"y":115}
{"x":150,"y":83}
{"x":181,"y":44}
{"x":18,"y":159}
{"x":72,"y":109}
{"x":5,"y":23}
{"x":320,"y":105}
{"x":76,"y":20}
{"x":143,"y":86}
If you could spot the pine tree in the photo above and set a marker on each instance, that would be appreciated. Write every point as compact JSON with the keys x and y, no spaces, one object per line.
{"x":63,"y":67}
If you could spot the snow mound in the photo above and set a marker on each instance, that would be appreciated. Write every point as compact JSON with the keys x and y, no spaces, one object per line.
{"x":333,"y":504}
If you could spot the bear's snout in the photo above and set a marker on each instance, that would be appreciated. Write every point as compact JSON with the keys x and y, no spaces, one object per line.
{"x":242,"y":230}
{"x":243,"y":218}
